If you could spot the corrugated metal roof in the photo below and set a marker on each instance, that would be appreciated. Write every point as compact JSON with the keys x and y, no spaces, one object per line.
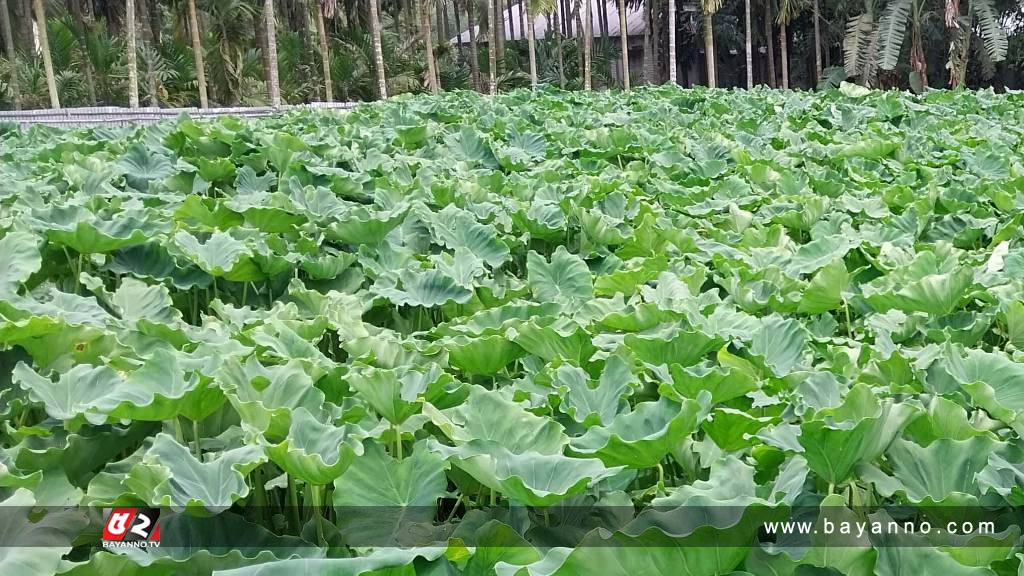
{"x":635,"y":23}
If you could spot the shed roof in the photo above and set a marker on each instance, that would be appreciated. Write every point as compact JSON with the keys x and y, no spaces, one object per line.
{"x":635,"y":23}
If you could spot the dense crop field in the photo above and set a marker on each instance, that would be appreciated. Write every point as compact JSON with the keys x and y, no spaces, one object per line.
{"x":552,"y":333}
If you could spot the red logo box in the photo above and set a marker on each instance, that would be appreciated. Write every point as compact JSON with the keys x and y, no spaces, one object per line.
{"x":139,"y":527}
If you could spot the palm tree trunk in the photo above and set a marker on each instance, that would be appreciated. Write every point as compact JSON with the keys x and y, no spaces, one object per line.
{"x":588,"y":41}
{"x":153,"y":19}
{"x":918,"y":63}
{"x":817,"y":41}
{"x":458,"y":28}
{"x":443,"y":30}
{"x":499,"y":30}
{"x":567,"y":15}
{"x":784,"y":53}
{"x":749,"y":44}
{"x":325,"y":50}
{"x":133,"y":60}
{"x":474,"y":60}
{"x":656,"y":23}
{"x":144,"y":33}
{"x":770,"y":39}
{"x":511,"y":20}
{"x":82,"y":32}
{"x":580,"y":50}
{"x":12,"y":56}
{"x":492,"y":49}
{"x":378,"y":50}
{"x":197,"y":52}
{"x":270,"y":23}
{"x":261,"y":41}
{"x":648,"y":53}
{"x":153,"y":85}
{"x":624,"y":41}
{"x":44,"y":47}
{"x":709,"y":49}
{"x":428,"y":46}
{"x":672,"y":41}
{"x":24,"y":27}
{"x":558,"y":43}
{"x":523,"y":9}
{"x":531,"y":44}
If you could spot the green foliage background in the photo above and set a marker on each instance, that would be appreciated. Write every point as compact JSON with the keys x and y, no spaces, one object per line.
{"x":479,"y":316}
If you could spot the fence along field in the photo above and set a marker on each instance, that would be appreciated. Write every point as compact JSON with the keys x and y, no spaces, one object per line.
{"x":120,"y":116}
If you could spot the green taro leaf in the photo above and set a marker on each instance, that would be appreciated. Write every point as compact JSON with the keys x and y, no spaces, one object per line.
{"x":834,"y":448}
{"x":672,"y":346}
{"x":597,"y":404}
{"x":530,"y":478}
{"x":779,"y":343}
{"x":427,"y":288}
{"x":565,"y":279}
{"x":489,"y":415}
{"x":396,"y":394}
{"x":484,"y":355}
{"x":19,"y":259}
{"x":315,"y":452}
{"x":643,"y":437}
{"x":383,"y":500}
{"x":170,"y":475}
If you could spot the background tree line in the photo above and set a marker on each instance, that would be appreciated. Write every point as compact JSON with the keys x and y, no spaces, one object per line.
{"x":247,"y":52}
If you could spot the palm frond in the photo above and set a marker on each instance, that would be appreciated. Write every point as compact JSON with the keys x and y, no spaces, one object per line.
{"x":993,"y":35}
{"x":859,"y":31}
{"x":892,"y":28}
{"x":788,"y":10}
{"x":869,"y":70}
{"x":711,"y":6}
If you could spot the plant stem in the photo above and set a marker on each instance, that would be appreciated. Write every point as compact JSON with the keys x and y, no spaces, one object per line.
{"x":293,"y":503}
{"x":316,"y":495}
{"x":195,"y":436}
{"x":398,"y":443}
{"x":71,"y":264}
{"x":849,"y":326}
{"x":454,"y":508}
{"x":179,"y":435}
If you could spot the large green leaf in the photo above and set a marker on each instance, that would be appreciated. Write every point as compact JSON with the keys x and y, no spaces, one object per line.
{"x":860,"y":432}
{"x":19,"y":259}
{"x":170,"y":475}
{"x":593,"y":405}
{"x":488,"y":415}
{"x":397,"y":394}
{"x":672,"y":346}
{"x":427,"y":288}
{"x":381,"y":501}
{"x":160,"y":389}
{"x":316,"y":452}
{"x":643,"y":437}
{"x":779,"y":343}
{"x":564,"y":279}
{"x":30,"y":544}
{"x":529,"y":478}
